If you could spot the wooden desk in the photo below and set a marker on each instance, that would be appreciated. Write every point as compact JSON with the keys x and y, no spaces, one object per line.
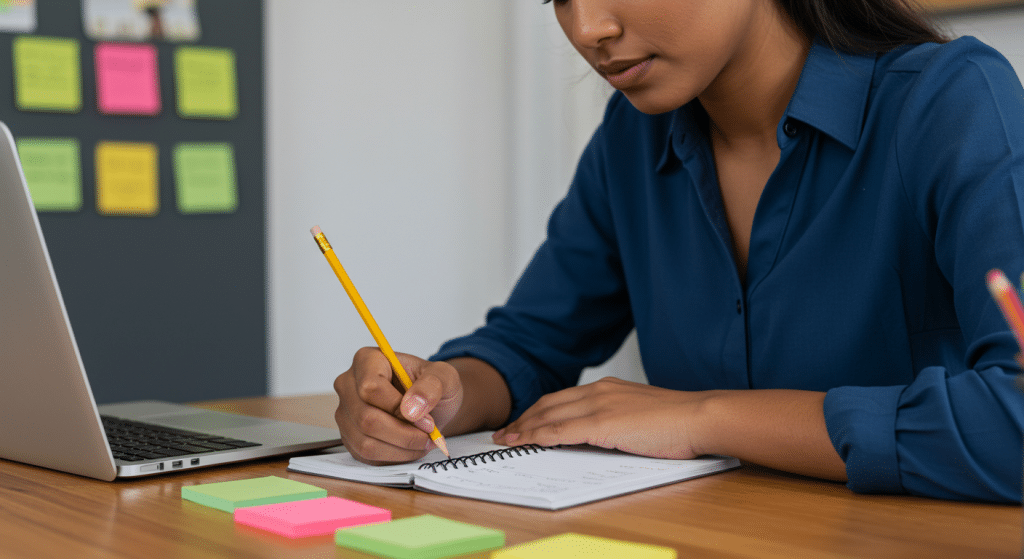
{"x":749,"y":512}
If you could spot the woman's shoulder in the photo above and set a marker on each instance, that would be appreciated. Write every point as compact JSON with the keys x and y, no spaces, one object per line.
{"x":943,"y":58}
{"x":930,"y":82}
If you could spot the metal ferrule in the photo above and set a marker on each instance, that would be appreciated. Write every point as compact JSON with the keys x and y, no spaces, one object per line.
{"x":321,"y":241}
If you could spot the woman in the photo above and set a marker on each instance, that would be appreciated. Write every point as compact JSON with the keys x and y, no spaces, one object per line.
{"x":795,"y":203}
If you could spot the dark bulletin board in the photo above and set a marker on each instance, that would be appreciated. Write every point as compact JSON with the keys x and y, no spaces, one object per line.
{"x":171,"y":306}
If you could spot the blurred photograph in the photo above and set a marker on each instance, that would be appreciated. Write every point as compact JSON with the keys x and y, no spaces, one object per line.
{"x":141,"y":20}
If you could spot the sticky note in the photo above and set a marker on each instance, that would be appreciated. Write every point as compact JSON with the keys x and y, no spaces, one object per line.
{"x":230,"y":495}
{"x":579,"y":546}
{"x":420,"y":537}
{"x":127,"y":79}
{"x":47,"y":76}
{"x":205,"y":177}
{"x":206,"y":82}
{"x":312,"y":517}
{"x":53,"y":170}
{"x":126,"y":178}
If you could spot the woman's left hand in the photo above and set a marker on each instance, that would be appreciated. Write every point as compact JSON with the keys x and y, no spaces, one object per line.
{"x":778,"y":428}
{"x":613,"y":413}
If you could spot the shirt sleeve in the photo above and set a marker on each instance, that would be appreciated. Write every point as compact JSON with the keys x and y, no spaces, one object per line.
{"x":569,"y":308}
{"x":953,"y":434}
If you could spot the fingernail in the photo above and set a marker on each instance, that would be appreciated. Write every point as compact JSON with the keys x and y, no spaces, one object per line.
{"x":426,"y":424}
{"x":511,"y":438}
{"x":430,"y":445}
{"x":414,"y":406}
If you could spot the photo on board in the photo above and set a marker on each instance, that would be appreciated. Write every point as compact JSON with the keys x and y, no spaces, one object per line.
{"x":141,"y":20}
{"x":17,"y":16}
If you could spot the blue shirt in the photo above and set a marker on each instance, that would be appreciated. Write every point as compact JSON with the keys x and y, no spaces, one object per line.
{"x":900,"y":184}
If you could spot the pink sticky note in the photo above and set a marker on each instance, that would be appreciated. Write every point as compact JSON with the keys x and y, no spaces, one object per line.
{"x":312,"y":517}
{"x":127,"y":79}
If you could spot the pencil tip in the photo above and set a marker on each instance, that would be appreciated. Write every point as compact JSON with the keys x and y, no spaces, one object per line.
{"x":443,"y":446}
{"x":315,"y":230}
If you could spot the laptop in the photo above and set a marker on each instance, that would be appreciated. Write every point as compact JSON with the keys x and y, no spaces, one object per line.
{"x":48,"y":416}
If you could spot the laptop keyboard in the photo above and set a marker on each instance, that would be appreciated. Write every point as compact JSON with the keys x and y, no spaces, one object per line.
{"x":132,"y":441}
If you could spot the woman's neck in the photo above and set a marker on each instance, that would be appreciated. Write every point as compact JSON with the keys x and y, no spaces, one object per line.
{"x":748,"y":98}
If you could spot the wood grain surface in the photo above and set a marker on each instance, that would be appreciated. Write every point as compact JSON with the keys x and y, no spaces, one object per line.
{"x":749,"y":512}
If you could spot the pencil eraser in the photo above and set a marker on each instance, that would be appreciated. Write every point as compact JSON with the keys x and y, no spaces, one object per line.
{"x":230,"y":495}
{"x":313,"y":517}
{"x":420,"y":537}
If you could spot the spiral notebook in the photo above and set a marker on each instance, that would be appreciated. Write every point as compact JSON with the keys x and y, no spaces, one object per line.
{"x":531,"y":476}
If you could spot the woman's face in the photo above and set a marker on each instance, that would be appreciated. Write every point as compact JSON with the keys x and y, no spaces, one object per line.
{"x":663,"y":53}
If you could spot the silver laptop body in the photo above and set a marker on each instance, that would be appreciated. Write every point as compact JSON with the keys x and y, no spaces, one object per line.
{"x":48,"y":416}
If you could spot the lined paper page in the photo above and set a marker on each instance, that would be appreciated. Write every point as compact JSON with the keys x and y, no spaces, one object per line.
{"x":343,"y":465}
{"x":566,"y":476}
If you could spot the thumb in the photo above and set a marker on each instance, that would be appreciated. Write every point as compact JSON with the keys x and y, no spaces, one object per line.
{"x":421,"y":398}
{"x":434,"y":397}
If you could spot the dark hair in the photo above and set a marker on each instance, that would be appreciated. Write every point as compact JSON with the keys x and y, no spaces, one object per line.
{"x":863,"y":26}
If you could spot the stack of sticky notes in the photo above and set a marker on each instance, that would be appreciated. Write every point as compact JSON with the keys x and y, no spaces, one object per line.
{"x":420,"y":537}
{"x":298,"y":510}
{"x":230,"y":495}
{"x":580,"y":546}
{"x":313,"y":517}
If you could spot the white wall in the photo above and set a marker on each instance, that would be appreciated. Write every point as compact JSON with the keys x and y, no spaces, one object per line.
{"x":557,"y":102}
{"x":387,"y":126}
{"x":430,"y":141}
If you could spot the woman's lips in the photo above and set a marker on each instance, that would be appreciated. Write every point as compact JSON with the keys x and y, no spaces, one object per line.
{"x":623,"y":75}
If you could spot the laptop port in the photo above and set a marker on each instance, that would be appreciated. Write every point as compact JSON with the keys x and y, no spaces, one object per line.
{"x":195,"y":462}
{"x":176,"y":464}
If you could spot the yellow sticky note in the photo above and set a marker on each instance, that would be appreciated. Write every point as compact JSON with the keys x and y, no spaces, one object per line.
{"x":47,"y":76}
{"x":126,"y":179}
{"x":580,"y":546}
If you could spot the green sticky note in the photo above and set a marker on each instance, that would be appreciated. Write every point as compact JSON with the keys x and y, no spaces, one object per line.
{"x":206,"y":82}
{"x":420,"y":537}
{"x":46,"y":74}
{"x":229,"y":495}
{"x":53,"y":171}
{"x":205,"y":177}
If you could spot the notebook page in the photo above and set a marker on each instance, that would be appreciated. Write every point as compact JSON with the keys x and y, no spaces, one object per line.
{"x":343,"y":465}
{"x":562,"y":477}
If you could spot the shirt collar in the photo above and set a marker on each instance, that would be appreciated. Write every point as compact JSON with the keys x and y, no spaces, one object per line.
{"x":831,"y":95}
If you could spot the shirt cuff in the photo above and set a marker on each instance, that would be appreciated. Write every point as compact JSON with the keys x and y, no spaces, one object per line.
{"x":861,"y":423}
{"x":521,"y":379}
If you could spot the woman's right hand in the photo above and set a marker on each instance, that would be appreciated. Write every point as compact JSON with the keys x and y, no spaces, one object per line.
{"x":381,"y":425}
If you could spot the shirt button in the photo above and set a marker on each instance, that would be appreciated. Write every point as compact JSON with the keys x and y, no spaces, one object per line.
{"x":739,"y":307}
{"x":789,"y":127}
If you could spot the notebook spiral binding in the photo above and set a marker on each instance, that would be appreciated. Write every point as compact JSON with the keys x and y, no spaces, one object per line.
{"x":494,"y":455}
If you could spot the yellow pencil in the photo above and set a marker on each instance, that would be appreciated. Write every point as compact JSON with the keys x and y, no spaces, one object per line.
{"x":364,"y":312}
